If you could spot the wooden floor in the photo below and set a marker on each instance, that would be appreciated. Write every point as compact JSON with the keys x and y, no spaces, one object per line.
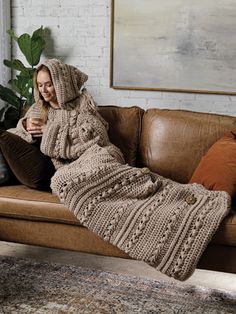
{"x":205,"y":278}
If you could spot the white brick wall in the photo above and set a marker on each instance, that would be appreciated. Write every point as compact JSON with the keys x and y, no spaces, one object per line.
{"x":5,"y":51}
{"x":79,"y":33}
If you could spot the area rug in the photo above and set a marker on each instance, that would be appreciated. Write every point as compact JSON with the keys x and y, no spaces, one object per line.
{"x":30,"y":286}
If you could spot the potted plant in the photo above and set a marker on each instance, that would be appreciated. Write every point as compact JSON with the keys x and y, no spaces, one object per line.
{"x":20,"y":94}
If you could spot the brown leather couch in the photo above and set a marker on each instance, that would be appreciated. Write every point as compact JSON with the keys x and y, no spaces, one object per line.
{"x":169,"y":142}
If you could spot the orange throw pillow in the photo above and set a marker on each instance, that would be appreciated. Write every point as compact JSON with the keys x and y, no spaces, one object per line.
{"x":217,"y":169}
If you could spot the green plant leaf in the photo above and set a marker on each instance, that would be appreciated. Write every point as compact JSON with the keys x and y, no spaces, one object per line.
{"x":14,"y":64}
{"x":28,"y":72}
{"x":32,"y":48}
{"x":17,"y":86}
{"x":31,"y":84}
{"x":30,"y":99}
{"x":22,"y":90}
{"x":6,"y":94}
{"x":38,"y":33}
{"x":22,"y":85}
{"x":3,"y":109}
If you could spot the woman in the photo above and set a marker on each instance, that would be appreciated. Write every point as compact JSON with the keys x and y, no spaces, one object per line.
{"x":44,"y":85}
{"x":24,"y":161}
{"x":153,"y":219}
{"x":61,"y":105}
{"x":59,"y":97}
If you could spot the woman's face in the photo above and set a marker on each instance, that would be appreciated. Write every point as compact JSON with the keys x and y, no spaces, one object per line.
{"x":46,"y":87}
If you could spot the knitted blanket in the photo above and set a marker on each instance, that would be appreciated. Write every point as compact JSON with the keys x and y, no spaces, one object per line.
{"x":153,"y":219}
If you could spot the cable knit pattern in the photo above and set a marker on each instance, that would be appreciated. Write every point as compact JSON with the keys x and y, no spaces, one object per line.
{"x":69,"y":133}
{"x":149,"y":217}
{"x":153,"y":219}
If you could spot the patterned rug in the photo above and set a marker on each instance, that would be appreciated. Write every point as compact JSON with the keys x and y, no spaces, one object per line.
{"x":28,"y":286}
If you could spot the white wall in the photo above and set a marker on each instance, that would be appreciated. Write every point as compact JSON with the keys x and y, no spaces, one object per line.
{"x":5,"y":51}
{"x":80,"y":35}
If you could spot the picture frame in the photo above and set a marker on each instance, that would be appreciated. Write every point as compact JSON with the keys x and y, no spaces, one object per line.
{"x":179,"y":46}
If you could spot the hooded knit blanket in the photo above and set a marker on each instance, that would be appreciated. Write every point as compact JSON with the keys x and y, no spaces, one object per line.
{"x":164,"y":223}
{"x":153,"y":219}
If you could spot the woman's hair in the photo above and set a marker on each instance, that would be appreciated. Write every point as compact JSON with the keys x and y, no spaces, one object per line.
{"x":44,"y":106}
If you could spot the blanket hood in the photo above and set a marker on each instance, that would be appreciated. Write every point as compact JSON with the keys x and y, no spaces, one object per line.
{"x":67,"y":80}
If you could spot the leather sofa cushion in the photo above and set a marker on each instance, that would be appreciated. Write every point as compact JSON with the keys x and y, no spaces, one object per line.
{"x":21,"y":202}
{"x":174,"y":141}
{"x":226,"y":234}
{"x":124,"y":129}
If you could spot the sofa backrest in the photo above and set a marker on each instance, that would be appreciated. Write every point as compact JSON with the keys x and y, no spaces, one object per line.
{"x":124,"y":129}
{"x":173,"y":141}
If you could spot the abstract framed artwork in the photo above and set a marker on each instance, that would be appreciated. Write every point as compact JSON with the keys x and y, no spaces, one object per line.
{"x":181,"y":45}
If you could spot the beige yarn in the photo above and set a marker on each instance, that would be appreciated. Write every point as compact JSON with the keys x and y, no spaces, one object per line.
{"x":20,"y":128}
{"x":77,"y":106}
{"x":67,"y":81}
{"x":143,"y":214}
{"x":164,"y":223}
{"x":68,"y":134}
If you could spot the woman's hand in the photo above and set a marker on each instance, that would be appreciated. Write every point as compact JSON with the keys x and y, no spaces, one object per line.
{"x":35,"y":126}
